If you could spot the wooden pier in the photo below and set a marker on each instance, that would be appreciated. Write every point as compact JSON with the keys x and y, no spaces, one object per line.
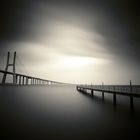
{"x":124,"y":90}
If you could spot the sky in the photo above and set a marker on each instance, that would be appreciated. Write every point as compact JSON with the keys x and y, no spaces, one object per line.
{"x":73,"y":41}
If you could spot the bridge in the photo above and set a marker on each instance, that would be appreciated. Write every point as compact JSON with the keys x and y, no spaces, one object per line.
{"x":21,"y":79}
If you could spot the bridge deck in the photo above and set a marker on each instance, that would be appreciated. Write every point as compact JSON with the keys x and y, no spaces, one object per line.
{"x":35,"y":79}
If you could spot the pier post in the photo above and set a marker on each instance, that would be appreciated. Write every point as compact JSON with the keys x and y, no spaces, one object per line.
{"x":102,"y":95}
{"x":131,"y":97}
{"x":85,"y":90}
{"x":130,"y":86}
{"x":114,"y":99}
{"x":34,"y":81}
{"x":92,"y":92}
{"x":131,"y":102}
{"x":77,"y":87}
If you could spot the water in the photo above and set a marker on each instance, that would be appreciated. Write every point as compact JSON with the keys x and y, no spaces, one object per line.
{"x":61,"y":112}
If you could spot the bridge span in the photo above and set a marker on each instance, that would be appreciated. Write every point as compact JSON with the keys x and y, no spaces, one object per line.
{"x":21,"y":79}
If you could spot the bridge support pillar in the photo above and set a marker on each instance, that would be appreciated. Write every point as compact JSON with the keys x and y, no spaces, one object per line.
{"x":19,"y":80}
{"x":31,"y":81}
{"x":6,"y":68}
{"x":77,"y":87}
{"x":23,"y":80}
{"x":85,"y":90}
{"x":26,"y":80}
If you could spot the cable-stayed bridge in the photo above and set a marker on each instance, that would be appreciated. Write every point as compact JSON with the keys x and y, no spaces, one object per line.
{"x":22,"y":79}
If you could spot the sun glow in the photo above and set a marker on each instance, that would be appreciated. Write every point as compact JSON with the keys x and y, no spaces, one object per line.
{"x":76,"y":62}
{"x":73,"y":62}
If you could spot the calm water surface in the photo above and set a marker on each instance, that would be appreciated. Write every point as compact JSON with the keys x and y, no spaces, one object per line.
{"x":61,"y":112}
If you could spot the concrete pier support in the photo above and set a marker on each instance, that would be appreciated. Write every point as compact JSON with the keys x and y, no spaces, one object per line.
{"x":23,"y":80}
{"x":39,"y":82}
{"x":31,"y":81}
{"x":85,"y":90}
{"x":26,"y":80}
{"x":6,"y":68}
{"x":19,"y":80}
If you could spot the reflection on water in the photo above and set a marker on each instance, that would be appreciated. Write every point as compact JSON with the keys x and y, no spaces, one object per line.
{"x":60,"y":112}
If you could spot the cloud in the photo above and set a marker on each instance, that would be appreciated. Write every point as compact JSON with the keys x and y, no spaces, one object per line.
{"x":49,"y":34}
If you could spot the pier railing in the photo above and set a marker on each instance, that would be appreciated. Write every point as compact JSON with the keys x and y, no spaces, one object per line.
{"x":115,"y":88}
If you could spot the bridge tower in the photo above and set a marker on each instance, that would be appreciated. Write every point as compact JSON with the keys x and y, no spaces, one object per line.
{"x":6,"y":68}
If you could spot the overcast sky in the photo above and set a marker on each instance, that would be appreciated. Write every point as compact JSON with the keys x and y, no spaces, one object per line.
{"x":76,"y":41}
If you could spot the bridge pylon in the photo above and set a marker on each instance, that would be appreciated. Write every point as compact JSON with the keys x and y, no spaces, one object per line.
{"x":12,"y":65}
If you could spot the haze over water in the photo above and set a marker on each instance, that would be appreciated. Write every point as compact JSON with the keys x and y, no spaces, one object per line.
{"x":61,"y":112}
